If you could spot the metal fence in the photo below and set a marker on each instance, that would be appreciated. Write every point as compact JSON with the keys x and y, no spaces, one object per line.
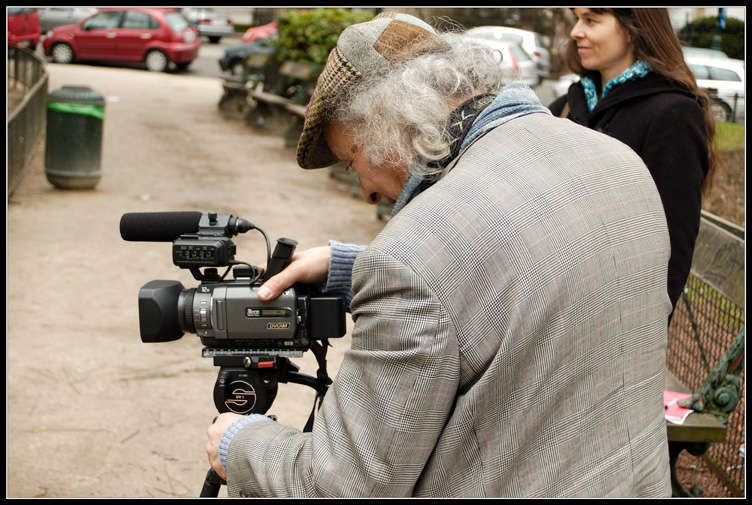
{"x":709,"y":314}
{"x":27,"y":97}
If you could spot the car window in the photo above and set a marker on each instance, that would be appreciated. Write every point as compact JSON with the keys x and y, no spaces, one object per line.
{"x":519,"y":53}
{"x":700,"y":71}
{"x":517,"y":39}
{"x":103,"y":21}
{"x":723,"y":74}
{"x":176,"y":21}
{"x":139,"y":20}
{"x":19,"y":10}
{"x":481,"y":32}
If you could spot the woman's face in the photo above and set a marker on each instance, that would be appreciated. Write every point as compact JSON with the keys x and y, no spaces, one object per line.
{"x":376,"y":182}
{"x":602,"y":43}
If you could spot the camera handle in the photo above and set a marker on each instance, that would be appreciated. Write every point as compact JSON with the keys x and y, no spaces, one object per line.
{"x":288,"y":372}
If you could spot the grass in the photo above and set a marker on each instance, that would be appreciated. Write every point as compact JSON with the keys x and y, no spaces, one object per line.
{"x":729,"y":136}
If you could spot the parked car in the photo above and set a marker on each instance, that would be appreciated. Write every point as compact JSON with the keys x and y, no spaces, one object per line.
{"x":52,"y":17}
{"x":154,"y":36}
{"x":724,"y":80}
{"x":531,"y":42}
{"x":260,"y":32}
{"x":561,"y":86}
{"x":514,"y":60}
{"x":703,"y":52}
{"x":209,"y":22}
{"x":23,"y":27}
{"x":233,"y":59}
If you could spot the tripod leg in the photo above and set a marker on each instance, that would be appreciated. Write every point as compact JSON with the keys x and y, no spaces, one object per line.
{"x":212,"y":483}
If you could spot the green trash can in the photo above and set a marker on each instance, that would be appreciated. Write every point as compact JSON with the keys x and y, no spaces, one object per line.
{"x":73,"y":152}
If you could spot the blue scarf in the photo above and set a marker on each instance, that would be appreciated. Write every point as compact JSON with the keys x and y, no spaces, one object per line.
{"x":636,"y":71}
{"x":513,"y":101}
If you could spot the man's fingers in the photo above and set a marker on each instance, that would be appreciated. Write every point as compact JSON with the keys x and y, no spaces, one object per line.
{"x":310,"y":266}
{"x":274,"y":286}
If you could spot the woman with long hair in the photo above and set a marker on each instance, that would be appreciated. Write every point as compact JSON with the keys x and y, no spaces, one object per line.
{"x":635,"y":86}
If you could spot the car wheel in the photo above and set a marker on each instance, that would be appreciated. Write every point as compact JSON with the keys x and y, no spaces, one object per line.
{"x":62,"y":53}
{"x":721,"y":112}
{"x":157,"y":61}
{"x":214,"y":40}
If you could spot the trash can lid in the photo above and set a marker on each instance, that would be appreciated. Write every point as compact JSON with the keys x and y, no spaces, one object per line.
{"x":76,"y":94}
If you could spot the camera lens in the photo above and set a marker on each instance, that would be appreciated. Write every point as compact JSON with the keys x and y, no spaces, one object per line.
{"x":157,"y":311}
{"x":185,"y":310}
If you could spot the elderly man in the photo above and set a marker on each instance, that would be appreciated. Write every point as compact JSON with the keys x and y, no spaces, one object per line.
{"x":510,"y":319}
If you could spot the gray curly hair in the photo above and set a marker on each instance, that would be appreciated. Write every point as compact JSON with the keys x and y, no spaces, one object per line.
{"x":400,"y":117}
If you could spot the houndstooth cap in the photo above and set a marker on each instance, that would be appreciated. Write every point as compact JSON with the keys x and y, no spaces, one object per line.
{"x":373,"y":46}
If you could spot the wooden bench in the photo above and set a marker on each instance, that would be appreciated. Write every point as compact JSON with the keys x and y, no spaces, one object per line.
{"x":284,"y":103}
{"x":235,"y":90}
{"x":293,"y":75}
{"x":290,"y":96}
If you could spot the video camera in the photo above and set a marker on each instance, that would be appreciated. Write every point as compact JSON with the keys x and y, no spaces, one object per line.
{"x":248,"y":339}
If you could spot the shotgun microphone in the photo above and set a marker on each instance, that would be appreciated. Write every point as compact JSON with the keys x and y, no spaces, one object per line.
{"x":158,"y":226}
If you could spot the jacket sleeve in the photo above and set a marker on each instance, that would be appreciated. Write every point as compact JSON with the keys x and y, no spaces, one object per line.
{"x":382,"y":415}
{"x":675,"y":151}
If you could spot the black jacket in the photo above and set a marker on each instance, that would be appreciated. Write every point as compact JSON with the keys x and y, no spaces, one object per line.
{"x":665,"y":126}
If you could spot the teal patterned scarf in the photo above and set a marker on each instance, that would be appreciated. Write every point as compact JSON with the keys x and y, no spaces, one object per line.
{"x":636,"y":71}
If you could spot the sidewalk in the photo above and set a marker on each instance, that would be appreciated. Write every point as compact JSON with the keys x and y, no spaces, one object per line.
{"x":92,"y":411}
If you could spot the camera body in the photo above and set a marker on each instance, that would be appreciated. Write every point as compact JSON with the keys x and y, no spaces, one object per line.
{"x":229,"y":315}
{"x":249,"y":339}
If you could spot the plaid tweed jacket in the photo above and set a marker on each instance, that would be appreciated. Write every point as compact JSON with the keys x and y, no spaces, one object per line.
{"x":509,"y":337}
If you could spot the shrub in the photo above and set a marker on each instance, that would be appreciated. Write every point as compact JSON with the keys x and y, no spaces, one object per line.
{"x":700,"y":32}
{"x":309,"y":36}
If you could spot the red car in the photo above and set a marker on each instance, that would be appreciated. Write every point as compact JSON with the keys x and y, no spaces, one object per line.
{"x":255,"y":33}
{"x":23,"y":27}
{"x":154,"y":36}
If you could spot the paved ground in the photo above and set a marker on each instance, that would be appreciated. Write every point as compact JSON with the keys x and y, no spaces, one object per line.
{"x":92,"y":411}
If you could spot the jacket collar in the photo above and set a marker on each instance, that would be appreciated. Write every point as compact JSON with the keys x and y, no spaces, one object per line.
{"x":513,"y":101}
{"x":651,"y":84}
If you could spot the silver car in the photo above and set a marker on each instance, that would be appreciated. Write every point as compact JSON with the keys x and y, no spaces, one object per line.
{"x":52,"y":17}
{"x":531,"y":42}
{"x":723,"y":78}
{"x":514,"y":60}
{"x":209,"y":22}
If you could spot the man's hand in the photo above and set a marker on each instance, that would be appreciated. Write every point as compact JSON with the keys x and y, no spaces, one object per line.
{"x":216,"y":430}
{"x":308,"y":267}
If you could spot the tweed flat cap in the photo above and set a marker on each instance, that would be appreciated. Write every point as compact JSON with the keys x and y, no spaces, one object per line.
{"x":373,"y":46}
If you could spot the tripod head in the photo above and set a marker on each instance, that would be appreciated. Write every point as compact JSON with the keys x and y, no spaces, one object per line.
{"x":247,"y":384}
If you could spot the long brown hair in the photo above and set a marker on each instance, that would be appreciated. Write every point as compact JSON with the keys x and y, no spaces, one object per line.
{"x":656,"y":43}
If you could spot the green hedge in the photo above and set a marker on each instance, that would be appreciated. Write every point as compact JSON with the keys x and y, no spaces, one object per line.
{"x":700,"y":32}
{"x":309,"y":36}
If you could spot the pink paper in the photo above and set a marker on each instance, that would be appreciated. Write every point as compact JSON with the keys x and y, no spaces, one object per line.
{"x":675,"y":413}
